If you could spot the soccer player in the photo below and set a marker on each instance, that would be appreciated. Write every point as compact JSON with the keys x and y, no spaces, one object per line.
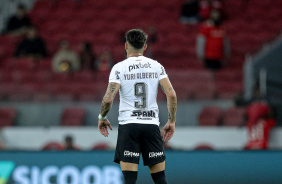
{"x":137,"y":79}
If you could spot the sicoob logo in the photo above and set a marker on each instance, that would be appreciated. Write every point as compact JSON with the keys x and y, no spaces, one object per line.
{"x":139,"y":65}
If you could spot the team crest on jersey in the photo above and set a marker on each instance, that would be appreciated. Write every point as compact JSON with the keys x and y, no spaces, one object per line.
{"x":144,"y":115}
{"x":117,"y":74}
{"x":163,"y":71}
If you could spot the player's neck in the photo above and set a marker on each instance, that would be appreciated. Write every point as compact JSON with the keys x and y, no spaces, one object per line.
{"x":134,"y":54}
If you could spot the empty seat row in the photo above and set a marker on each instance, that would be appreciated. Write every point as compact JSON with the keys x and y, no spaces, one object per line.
{"x":215,"y":116}
{"x":23,"y":77}
{"x":70,"y":117}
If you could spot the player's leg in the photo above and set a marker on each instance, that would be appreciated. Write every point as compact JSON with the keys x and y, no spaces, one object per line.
{"x":128,"y":152}
{"x":130,"y":172}
{"x":153,"y":153}
{"x":158,"y":173}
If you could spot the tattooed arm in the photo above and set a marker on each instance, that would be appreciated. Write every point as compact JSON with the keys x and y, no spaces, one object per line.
{"x":171,"y":99}
{"x":169,"y":128}
{"x":108,"y":98}
{"x":105,"y":108}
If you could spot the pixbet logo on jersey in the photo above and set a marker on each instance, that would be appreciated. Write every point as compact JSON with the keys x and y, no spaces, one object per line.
{"x":139,"y":113}
{"x":139,"y":65}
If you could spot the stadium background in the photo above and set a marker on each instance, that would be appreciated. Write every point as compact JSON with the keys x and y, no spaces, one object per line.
{"x":36,"y":99}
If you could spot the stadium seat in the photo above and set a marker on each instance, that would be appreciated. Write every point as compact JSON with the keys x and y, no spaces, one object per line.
{"x":101,"y":146}
{"x":234,"y":116}
{"x":7,"y":117}
{"x":53,"y":146}
{"x":227,"y":90}
{"x":61,"y":77}
{"x":8,"y":88}
{"x":23,"y":64}
{"x":73,"y":117}
{"x":204,"y":147}
{"x":23,"y":96}
{"x":41,"y":97}
{"x":202,"y":90}
{"x":210,"y":116}
{"x":6,"y":76}
{"x":83,"y":76}
{"x":90,"y":92}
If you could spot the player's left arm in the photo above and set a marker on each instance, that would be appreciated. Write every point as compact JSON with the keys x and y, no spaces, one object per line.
{"x":105,"y":108}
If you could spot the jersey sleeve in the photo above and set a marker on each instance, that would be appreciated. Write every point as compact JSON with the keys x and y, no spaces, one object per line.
{"x":115,"y":74}
{"x":162,"y":72}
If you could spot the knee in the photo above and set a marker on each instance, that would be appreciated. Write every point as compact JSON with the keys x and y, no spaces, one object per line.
{"x":159,"y":177}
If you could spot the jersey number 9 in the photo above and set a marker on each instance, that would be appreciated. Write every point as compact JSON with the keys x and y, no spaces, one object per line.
{"x":140,"y":91}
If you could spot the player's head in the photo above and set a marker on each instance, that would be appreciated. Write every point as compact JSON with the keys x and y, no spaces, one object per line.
{"x":136,"y":40}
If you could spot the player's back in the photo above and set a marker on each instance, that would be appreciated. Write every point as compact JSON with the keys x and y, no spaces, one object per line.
{"x":139,"y":79}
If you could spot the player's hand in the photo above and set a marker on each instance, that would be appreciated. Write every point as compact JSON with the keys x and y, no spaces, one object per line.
{"x":103,"y":127}
{"x":168,"y":131}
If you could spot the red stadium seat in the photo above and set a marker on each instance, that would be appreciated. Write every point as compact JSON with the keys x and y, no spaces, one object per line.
{"x":6,"y":76}
{"x":210,"y":116}
{"x":101,"y":146}
{"x":61,"y":77}
{"x":84,"y":76}
{"x":204,"y":147}
{"x":23,"y":96}
{"x":227,"y":90}
{"x":73,"y":117}
{"x":23,"y":64}
{"x":44,"y":65}
{"x":234,"y":117}
{"x":53,"y":146}
{"x":7,"y":117}
{"x":90,"y":92}
{"x":41,"y":97}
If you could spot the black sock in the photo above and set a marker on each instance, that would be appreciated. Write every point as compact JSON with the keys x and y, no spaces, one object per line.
{"x":159,"y":178}
{"x":130,"y":177}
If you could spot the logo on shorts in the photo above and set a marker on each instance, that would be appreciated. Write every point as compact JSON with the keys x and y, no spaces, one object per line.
{"x":156,"y":154}
{"x":131,"y":154}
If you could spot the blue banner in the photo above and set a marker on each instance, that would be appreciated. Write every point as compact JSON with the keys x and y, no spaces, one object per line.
{"x":200,"y":167}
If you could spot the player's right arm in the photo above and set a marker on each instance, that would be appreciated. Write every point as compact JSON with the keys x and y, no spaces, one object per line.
{"x":169,"y":128}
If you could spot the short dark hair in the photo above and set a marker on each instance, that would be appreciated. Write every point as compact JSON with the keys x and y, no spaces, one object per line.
{"x":136,"y":37}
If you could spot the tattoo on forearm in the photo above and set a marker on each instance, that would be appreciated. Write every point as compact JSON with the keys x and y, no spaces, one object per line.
{"x":110,"y":93}
{"x":172,"y":108}
{"x":105,"y":108}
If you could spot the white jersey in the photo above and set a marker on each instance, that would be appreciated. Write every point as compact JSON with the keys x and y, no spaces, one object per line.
{"x":139,"y":80}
